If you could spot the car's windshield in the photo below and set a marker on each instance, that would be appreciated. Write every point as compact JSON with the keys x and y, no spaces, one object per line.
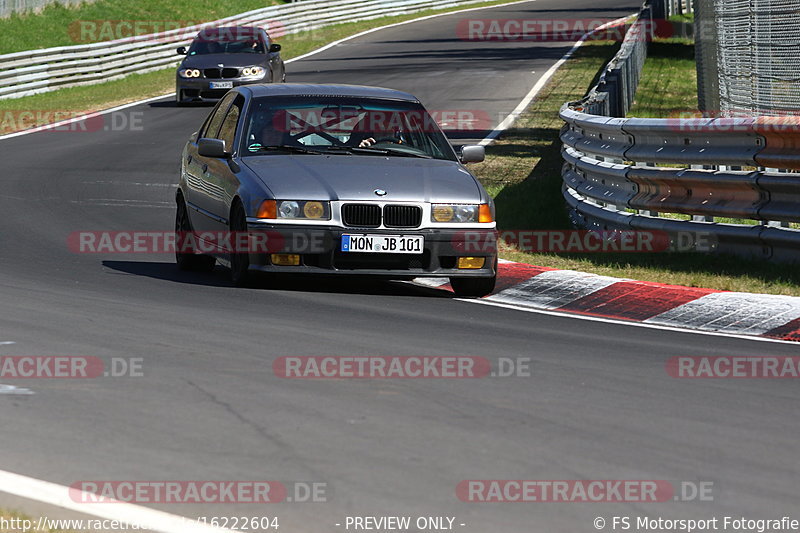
{"x":227,"y":42}
{"x":344,"y":126}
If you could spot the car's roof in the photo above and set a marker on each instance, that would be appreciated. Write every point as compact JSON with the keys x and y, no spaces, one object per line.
{"x":309,"y":89}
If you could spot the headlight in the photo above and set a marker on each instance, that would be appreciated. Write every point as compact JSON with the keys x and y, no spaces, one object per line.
{"x":189,"y":73}
{"x":310,"y":210}
{"x":253,"y":72}
{"x":461,"y":213}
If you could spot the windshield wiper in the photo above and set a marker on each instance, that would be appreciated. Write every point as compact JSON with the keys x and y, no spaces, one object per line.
{"x":403,"y":153}
{"x":384,"y":150}
{"x":354,"y":150}
{"x":289,"y":148}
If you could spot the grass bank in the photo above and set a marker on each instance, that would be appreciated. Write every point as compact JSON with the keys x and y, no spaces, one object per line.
{"x":57,"y":25}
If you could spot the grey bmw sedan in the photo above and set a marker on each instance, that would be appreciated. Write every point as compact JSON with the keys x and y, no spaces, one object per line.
{"x":333,"y":179}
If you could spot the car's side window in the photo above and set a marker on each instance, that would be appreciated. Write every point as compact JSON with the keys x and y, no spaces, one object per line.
{"x":219,"y":115}
{"x":227,"y":131}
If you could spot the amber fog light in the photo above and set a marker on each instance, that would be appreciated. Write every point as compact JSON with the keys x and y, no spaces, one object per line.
{"x":285,"y":259}
{"x":471,"y":262}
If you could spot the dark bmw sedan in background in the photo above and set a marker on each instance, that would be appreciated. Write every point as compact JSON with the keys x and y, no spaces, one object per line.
{"x":220,"y":59}
{"x":334,"y":179}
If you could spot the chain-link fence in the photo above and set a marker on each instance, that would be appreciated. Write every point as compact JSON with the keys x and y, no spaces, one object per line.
{"x":7,"y":7}
{"x":748,"y":56}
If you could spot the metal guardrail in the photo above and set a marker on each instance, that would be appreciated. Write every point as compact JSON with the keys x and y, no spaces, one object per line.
{"x":626,"y":173}
{"x":37,"y":71}
{"x":616,"y":87}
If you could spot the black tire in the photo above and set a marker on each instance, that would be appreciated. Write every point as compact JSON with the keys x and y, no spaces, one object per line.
{"x":240,"y":262}
{"x":474,"y":287}
{"x":185,"y":258}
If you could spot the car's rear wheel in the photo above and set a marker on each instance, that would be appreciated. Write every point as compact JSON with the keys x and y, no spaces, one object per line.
{"x":474,"y":287}
{"x":240,"y":261}
{"x":185,"y":255}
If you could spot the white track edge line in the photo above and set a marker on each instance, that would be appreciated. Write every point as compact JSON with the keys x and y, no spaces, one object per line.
{"x":523,"y":105}
{"x":403,"y":23}
{"x":565,"y":314}
{"x":59,"y":496}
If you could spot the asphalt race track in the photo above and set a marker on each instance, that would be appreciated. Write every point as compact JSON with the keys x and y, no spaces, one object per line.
{"x":598,"y":404}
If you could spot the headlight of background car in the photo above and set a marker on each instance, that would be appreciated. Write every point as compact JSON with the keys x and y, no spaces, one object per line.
{"x":309,"y":210}
{"x":253,"y":72}
{"x":189,"y":73}
{"x":461,"y":213}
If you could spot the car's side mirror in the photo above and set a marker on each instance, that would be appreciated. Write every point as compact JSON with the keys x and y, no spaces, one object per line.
{"x":274,"y":48}
{"x":212,"y":148}
{"x":473,"y":154}
{"x":181,"y":50}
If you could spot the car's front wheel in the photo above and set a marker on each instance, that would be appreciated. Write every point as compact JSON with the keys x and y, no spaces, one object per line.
{"x":185,"y":255}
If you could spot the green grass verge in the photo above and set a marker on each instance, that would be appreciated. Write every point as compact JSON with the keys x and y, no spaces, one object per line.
{"x":523,"y":172}
{"x":140,"y":86}
{"x":686,"y":17}
{"x":57,"y":25}
{"x":668,"y":85}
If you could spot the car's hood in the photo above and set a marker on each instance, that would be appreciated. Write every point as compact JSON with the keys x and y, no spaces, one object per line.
{"x":356,"y":177}
{"x":227,"y":60}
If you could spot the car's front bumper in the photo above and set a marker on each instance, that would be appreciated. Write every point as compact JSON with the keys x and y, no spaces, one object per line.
{"x":320,"y":252}
{"x":199,"y":89}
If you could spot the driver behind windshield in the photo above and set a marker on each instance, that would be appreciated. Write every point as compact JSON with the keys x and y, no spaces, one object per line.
{"x":377,"y":127}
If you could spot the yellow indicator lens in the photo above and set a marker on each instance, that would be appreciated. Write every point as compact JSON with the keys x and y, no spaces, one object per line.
{"x":313,"y":210}
{"x":285,"y":259}
{"x":268,"y":209}
{"x":471,"y":262}
{"x":443,"y":213}
{"x":485,"y":214}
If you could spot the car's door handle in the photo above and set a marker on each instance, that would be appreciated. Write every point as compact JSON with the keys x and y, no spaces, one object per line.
{"x":205,"y":167}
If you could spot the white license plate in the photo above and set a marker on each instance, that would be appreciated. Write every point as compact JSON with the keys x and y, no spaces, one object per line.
{"x":384,"y":244}
{"x":221,"y":85}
